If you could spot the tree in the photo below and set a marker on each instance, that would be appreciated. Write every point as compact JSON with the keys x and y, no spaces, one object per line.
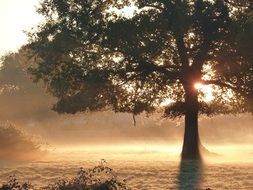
{"x":20,"y":98}
{"x":92,"y":56}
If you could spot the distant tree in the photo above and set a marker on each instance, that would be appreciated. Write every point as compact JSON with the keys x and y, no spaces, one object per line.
{"x":92,"y":56}
{"x":20,"y":98}
{"x":13,"y":77}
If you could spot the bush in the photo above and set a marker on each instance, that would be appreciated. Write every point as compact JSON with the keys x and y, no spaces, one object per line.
{"x":15,"y":144}
{"x":101,"y":177}
{"x":13,"y":184}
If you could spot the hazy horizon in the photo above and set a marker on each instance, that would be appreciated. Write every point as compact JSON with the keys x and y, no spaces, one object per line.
{"x":155,"y":68}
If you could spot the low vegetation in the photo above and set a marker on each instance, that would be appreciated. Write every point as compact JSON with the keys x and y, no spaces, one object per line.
{"x":16,"y":145}
{"x":101,"y":177}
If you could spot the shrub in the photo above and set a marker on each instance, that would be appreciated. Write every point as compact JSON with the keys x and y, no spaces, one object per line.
{"x":13,"y":184}
{"x":15,"y":144}
{"x":101,"y":177}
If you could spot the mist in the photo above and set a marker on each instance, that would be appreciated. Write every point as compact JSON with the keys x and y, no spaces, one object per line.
{"x":154,"y":61}
{"x":28,"y":105}
{"x":54,"y":145}
{"x":110,"y":132}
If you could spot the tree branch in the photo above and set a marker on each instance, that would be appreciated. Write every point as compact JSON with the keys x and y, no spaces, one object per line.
{"x":151,"y":67}
{"x":182,"y":51}
{"x":226,"y":85}
{"x":217,"y":82}
{"x":153,"y":6}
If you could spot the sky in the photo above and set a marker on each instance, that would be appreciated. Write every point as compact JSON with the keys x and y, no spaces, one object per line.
{"x":15,"y":17}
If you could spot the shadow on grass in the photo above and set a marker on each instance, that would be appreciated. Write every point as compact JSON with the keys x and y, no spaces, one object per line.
{"x":190,"y":174}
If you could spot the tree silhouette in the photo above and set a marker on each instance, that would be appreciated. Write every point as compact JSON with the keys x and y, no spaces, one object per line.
{"x":20,"y":98}
{"x":92,"y":56}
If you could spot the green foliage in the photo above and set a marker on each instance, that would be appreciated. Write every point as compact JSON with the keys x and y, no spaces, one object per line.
{"x":93,"y":58}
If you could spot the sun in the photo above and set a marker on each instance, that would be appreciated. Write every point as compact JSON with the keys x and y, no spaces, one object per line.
{"x":198,"y":85}
{"x":207,"y":91}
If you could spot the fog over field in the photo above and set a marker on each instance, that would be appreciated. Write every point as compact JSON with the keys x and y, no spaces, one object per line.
{"x":146,"y":155}
{"x":94,"y":58}
{"x":28,"y":107}
{"x":44,"y":146}
{"x":106,"y":130}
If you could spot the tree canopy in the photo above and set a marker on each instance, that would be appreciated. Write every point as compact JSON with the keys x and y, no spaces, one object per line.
{"x":93,"y":56}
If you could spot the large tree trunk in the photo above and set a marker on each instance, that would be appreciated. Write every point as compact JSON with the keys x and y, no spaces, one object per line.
{"x":191,"y":143}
